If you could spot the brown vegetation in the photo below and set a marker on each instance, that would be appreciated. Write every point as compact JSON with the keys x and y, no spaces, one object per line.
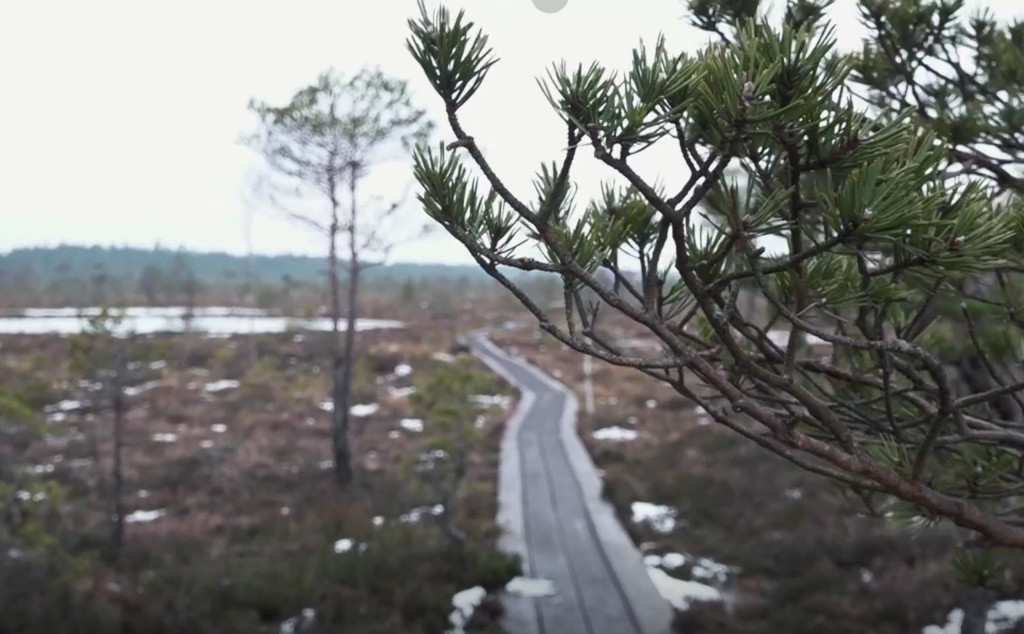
{"x":251,"y":514}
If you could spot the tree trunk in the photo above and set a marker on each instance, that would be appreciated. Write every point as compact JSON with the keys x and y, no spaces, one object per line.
{"x":339,"y":397}
{"x":117,"y":474}
{"x":342,"y":405}
{"x":343,"y":391}
{"x":975,"y":604}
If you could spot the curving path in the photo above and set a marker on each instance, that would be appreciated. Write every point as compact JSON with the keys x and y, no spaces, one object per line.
{"x":551,"y":509}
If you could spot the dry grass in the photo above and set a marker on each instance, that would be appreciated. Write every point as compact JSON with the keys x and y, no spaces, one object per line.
{"x":251,"y":512}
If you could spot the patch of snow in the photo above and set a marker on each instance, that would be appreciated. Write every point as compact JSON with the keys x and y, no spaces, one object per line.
{"x":711,"y":569}
{"x":668,"y":561}
{"x":661,"y":518}
{"x":327,"y":405}
{"x":414,"y":516}
{"x":165,"y":437}
{"x":378,"y":520}
{"x":218,"y":428}
{"x":480,"y":421}
{"x":632,"y":420}
{"x":403,"y":369}
{"x":343,"y":545}
{"x":325,"y":464}
{"x":485,"y":400}
{"x":1005,"y":614}
{"x":617,"y":434}
{"x":411,"y":424}
{"x":220,"y":386}
{"x":143,"y":494}
{"x":866,"y":576}
{"x":651,"y":403}
{"x":158,"y":365}
{"x":299,"y":624}
{"x":142,"y":517}
{"x":794,"y":494}
{"x":299,"y":338}
{"x":139,"y":389}
{"x":613,"y":401}
{"x":56,"y":417}
{"x":443,"y":357}
{"x":206,"y":444}
{"x":465,"y":603}
{"x":1002,"y":616}
{"x":528,"y":587}
{"x":67,"y":405}
{"x":401,"y":392}
{"x":681,"y":593}
{"x":360,"y":411}
{"x":556,"y":373}
{"x":285,"y":511}
{"x":394,"y":435}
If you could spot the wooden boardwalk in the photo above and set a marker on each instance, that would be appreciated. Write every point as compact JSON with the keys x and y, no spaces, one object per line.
{"x":555,"y":519}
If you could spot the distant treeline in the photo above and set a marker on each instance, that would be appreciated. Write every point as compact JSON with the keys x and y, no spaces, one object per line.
{"x":46,"y":264}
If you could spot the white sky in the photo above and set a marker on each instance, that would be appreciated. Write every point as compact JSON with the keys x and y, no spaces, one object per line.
{"x":121,"y":118}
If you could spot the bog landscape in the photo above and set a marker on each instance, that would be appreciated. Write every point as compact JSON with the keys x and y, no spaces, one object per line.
{"x":778,"y":390}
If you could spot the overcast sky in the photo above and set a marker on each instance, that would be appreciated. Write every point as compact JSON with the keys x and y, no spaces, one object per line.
{"x":120,"y":119}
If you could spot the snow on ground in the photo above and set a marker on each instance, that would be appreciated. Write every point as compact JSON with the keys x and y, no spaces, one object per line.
{"x":220,"y":386}
{"x":165,"y":437}
{"x":142,"y":517}
{"x":465,"y":603}
{"x":1002,"y":616}
{"x":414,"y":516}
{"x":218,"y":428}
{"x":206,"y":444}
{"x":139,"y":389}
{"x":358,"y":411}
{"x":400,"y":392}
{"x":345,"y":545}
{"x":299,"y":624}
{"x":617,"y":434}
{"x":529,"y":587}
{"x":486,"y":400}
{"x":403,"y":369}
{"x":681,"y":593}
{"x":661,"y":518}
{"x":411,"y":424}
{"x":706,"y":568}
{"x":443,"y":357}
{"x":67,"y":405}
{"x":668,"y":561}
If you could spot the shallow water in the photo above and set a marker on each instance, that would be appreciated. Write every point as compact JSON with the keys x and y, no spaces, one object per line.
{"x":213,"y":321}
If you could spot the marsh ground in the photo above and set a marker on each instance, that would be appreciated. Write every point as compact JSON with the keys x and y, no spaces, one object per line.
{"x":235,"y":522}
